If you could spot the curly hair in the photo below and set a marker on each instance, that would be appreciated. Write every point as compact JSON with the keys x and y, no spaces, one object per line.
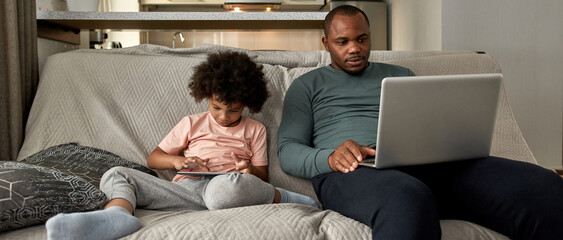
{"x":232,"y":77}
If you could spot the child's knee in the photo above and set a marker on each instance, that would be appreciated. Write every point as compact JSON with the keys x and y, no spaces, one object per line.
{"x":234,"y":181}
{"x":232,"y":190}
{"x":115,"y":174}
{"x":112,"y":172}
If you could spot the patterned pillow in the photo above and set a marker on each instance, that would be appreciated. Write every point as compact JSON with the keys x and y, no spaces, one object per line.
{"x":30,"y":195}
{"x":86,"y":162}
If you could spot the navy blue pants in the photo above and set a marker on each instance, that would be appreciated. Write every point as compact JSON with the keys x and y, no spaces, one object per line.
{"x":517,"y":199}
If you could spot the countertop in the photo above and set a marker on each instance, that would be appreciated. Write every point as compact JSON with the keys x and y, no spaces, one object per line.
{"x":182,"y":20}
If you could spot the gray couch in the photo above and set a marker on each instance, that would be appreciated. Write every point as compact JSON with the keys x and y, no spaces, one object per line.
{"x":125,"y":100}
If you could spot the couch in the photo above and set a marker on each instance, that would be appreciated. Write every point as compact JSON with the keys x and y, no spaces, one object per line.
{"x":112,"y":107}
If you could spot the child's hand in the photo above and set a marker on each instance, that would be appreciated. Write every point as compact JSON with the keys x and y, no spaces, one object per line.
{"x":242,"y":165}
{"x":191,"y":163}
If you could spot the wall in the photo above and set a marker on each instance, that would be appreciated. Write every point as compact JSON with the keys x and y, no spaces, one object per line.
{"x":526,"y":38}
{"x":415,"y":24}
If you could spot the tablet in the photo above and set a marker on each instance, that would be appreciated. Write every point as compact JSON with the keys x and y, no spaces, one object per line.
{"x":202,"y":173}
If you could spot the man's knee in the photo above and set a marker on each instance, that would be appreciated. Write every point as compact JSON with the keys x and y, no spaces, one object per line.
{"x":390,"y":202}
{"x":411,"y":196}
{"x":389,"y":191}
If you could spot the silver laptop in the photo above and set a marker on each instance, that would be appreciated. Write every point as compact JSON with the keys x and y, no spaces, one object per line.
{"x":432,"y":119}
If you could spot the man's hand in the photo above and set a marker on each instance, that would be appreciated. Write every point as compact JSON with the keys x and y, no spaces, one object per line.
{"x":347,"y":156}
{"x":191,"y":163}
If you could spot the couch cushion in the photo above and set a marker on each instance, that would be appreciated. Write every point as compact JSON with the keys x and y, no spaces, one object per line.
{"x":30,"y":194}
{"x":267,"y":221}
{"x":86,"y":162}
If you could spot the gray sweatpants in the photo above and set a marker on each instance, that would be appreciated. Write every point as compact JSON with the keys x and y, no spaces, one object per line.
{"x":223,"y":191}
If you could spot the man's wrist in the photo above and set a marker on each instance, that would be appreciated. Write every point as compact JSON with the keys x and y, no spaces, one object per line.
{"x":322,"y":161}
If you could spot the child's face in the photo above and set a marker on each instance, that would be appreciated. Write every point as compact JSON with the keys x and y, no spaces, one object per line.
{"x":226,"y":115}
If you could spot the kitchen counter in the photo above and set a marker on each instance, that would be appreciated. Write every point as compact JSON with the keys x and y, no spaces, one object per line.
{"x":182,"y":20}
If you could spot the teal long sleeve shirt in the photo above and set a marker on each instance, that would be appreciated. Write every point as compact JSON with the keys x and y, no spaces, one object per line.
{"x":325,"y":107}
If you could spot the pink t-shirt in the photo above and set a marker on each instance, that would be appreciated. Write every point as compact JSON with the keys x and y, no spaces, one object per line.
{"x":199,"y":135}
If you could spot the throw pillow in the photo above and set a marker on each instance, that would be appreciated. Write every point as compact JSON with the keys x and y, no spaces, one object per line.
{"x":30,"y":194}
{"x":86,"y":162}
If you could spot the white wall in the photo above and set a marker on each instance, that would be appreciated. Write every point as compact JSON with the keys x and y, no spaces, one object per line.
{"x":526,"y":38}
{"x":415,"y":24}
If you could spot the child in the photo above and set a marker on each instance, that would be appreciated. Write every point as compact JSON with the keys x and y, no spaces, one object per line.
{"x":220,"y":140}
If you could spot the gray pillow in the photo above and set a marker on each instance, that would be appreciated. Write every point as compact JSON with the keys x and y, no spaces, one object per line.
{"x":86,"y":162}
{"x":30,"y":194}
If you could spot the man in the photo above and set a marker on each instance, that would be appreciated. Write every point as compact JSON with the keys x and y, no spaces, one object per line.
{"x":329,"y":120}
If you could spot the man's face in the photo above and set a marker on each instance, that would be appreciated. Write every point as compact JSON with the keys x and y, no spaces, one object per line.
{"x":349,"y":43}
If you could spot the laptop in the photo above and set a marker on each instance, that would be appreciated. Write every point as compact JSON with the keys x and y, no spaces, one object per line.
{"x":434,"y":119}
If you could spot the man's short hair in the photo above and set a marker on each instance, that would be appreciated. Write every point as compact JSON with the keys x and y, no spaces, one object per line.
{"x":346,"y":10}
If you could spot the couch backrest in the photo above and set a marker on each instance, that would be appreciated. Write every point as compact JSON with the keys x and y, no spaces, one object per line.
{"x":126,"y":100}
